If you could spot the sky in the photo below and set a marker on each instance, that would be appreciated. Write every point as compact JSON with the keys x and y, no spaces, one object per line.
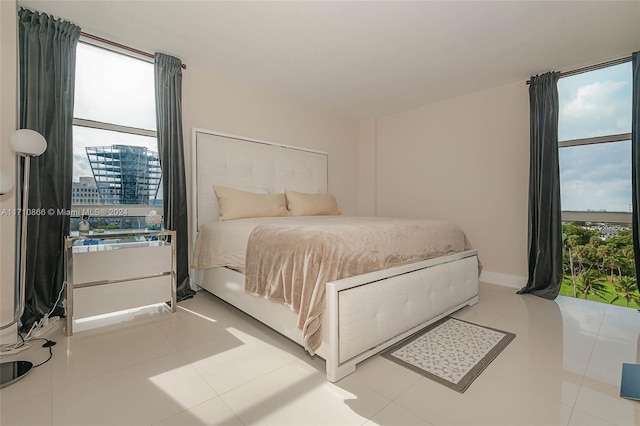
{"x":596,"y":177}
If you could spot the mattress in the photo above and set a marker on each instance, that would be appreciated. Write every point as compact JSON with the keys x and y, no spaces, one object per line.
{"x":224,"y":243}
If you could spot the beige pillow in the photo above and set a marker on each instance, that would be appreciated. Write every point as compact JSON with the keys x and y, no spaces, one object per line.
{"x":301,"y":204}
{"x":237,"y":204}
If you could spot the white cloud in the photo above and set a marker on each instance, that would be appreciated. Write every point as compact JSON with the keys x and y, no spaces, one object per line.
{"x":596,"y":177}
{"x":596,"y":109}
{"x":593,"y":100}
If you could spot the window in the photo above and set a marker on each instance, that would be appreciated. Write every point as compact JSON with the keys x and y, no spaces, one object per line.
{"x":594,"y":133}
{"x":594,"y":138}
{"x":116,"y":171}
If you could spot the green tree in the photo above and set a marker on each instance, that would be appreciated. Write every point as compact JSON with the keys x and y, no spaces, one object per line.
{"x":591,"y":284}
{"x":583,"y":234}
{"x":627,"y":289}
{"x":609,"y":254}
{"x":599,"y":267}
{"x":572,"y":260}
{"x":588,"y":256}
{"x":627,"y":261}
{"x":624,"y":241}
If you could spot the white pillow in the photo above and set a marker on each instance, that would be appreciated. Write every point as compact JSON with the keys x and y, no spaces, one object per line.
{"x":240,"y":188}
{"x":303,"y":204}
{"x":238,"y":204}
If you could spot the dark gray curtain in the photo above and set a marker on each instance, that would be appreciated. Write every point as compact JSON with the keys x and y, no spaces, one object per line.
{"x":47,"y":58}
{"x":635,"y":160}
{"x":168,"y":84}
{"x":545,"y":224}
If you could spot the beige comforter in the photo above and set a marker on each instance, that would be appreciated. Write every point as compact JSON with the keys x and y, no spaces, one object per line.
{"x":290,"y":262}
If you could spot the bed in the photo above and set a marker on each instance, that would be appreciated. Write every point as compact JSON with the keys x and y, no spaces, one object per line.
{"x":357,"y":316}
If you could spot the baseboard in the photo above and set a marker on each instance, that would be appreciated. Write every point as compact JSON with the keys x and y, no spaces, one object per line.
{"x":513,"y":281}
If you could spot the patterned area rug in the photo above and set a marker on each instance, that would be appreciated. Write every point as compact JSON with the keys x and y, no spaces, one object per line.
{"x":451,"y":351}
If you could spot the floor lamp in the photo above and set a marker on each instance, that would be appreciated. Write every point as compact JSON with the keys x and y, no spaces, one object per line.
{"x":26,"y":143}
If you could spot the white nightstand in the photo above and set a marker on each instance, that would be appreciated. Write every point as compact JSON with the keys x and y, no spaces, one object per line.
{"x":117,"y":270}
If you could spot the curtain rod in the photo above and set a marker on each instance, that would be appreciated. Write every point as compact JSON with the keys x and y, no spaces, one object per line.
{"x":121,"y":46}
{"x":593,"y":67}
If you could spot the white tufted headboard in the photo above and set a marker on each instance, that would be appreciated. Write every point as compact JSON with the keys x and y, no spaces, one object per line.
{"x":235,"y":161}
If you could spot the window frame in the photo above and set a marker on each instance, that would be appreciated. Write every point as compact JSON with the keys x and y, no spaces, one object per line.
{"x":595,"y":216}
{"x":134,"y":210}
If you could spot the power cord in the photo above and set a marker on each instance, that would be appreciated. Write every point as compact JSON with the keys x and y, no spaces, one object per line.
{"x":47,"y":319}
{"x":64,"y":284}
{"x":22,"y":345}
{"x":14,"y":348}
{"x":47,"y":344}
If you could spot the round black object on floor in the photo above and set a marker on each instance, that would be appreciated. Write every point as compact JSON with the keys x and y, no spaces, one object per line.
{"x":11,"y":372}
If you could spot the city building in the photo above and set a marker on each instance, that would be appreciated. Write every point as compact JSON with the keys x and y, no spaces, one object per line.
{"x":125,"y":174}
{"x":85,"y":191}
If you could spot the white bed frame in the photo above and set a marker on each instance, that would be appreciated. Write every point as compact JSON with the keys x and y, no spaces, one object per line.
{"x":356,"y":325}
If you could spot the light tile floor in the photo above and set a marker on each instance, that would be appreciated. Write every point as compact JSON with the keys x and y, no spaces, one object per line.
{"x":211,"y":364}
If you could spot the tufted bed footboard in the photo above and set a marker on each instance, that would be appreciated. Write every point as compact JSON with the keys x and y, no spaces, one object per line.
{"x":368,"y":313}
{"x":364,"y":314}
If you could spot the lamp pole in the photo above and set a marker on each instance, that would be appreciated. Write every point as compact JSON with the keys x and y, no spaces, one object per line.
{"x":26,"y":143}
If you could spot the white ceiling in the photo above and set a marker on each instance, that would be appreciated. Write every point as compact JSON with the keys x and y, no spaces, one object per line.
{"x":366,"y":58}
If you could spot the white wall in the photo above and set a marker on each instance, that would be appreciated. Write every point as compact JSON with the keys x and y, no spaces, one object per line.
{"x":367,"y":167}
{"x":216,"y":103}
{"x":465,"y":160}
{"x":8,"y":119}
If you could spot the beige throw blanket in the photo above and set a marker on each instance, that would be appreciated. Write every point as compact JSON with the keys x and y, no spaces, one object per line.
{"x":290,"y":263}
